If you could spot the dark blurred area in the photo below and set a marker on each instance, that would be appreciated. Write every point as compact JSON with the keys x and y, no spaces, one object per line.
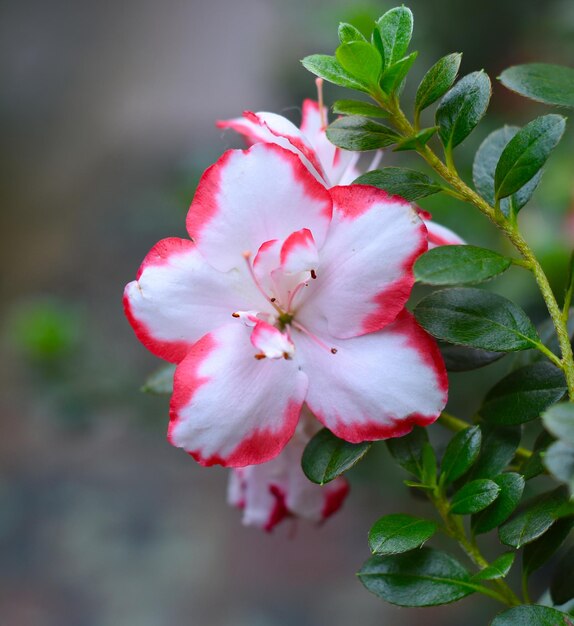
{"x":107,"y":114}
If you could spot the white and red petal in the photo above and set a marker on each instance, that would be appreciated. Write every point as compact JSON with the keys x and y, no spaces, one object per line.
{"x":378,"y":385}
{"x":271,"y":342}
{"x":178,"y":297}
{"x":229,"y":408}
{"x":250,"y":197}
{"x":366,"y":274}
{"x":299,"y":252}
{"x":439,"y":235}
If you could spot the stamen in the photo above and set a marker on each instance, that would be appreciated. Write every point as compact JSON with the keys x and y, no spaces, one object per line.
{"x":376,"y":160}
{"x":247,"y":256}
{"x":319,"y":83}
{"x":313,"y":274}
{"x":295,"y":292}
{"x":235,"y":315}
{"x":259,"y":356}
{"x":350,"y":165}
{"x":334,"y":351}
{"x":314,"y":338}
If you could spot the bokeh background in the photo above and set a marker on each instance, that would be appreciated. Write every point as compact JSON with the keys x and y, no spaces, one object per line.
{"x":107,"y":114}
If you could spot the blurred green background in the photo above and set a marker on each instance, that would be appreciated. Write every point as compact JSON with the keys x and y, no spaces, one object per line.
{"x":107,"y":120}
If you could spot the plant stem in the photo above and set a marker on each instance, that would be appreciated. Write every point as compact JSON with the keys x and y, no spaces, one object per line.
{"x":508,"y":227}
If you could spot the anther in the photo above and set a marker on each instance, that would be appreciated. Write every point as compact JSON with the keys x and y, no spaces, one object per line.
{"x":313,"y":274}
{"x":334,"y":350}
{"x":259,"y":356}
{"x":235,"y":315}
{"x":286,"y":356}
{"x":273,"y":300}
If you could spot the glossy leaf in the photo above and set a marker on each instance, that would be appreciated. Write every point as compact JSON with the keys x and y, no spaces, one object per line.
{"x":476,"y":318}
{"x":359,"y":133}
{"x":524,"y":394}
{"x":463,"y":359}
{"x":532,"y":615}
{"x":462,"y":108}
{"x":499,"y":568}
{"x":429,"y":465}
{"x":562,"y":587}
{"x":420,"y":139}
{"x":408,"y":450}
{"x":361,"y":60}
{"x":511,"y":487}
{"x":459,"y":265}
{"x":357,"y":107}
{"x":393,"y":534}
{"x":394,"y":75}
{"x":325,"y":457}
{"x":526,"y":153}
{"x":543,"y":82}
{"x":395,"y":28}
{"x":534,"y":467}
{"x":424,"y":577}
{"x":461,"y":452}
{"x":499,"y":444}
{"x":437,"y":81}
{"x":559,"y":461}
{"x":559,"y":420}
{"x":348,"y":33}
{"x":474,"y":496}
{"x":330,"y":69}
{"x":538,"y":552}
{"x":161,"y":381}
{"x":484,"y":166}
{"x":536,"y":517}
{"x":399,"y":181}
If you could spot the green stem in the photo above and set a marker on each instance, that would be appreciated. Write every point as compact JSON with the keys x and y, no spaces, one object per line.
{"x":450,"y":175}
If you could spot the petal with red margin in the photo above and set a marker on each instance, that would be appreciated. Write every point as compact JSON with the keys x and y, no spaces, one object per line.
{"x":378,"y":385}
{"x":439,"y":235}
{"x":229,"y":408}
{"x":250,"y":197}
{"x":178,"y":297}
{"x":299,"y":252}
{"x":365,"y":275}
{"x":272,"y":343}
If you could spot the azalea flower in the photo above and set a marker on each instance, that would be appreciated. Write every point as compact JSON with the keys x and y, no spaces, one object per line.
{"x":278,"y":490}
{"x":287,"y":293}
{"x":329,"y":164}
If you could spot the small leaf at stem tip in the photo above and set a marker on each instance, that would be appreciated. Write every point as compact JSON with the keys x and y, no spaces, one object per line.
{"x":416,"y":141}
{"x":437,"y":81}
{"x":499,"y":568}
{"x":476,"y":318}
{"x":393,"y":534}
{"x":328,"y":68}
{"x":474,"y":496}
{"x":559,"y":420}
{"x":452,"y":265}
{"x":359,"y":133}
{"x":393,"y":76}
{"x":543,"y":82}
{"x":484,"y":166}
{"x":526,"y":153}
{"x":325,"y":457}
{"x":348,"y":33}
{"x":361,"y":60}
{"x":357,"y":107}
{"x":161,"y":381}
{"x":511,"y":488}
{"x":461,"y":452}
{"x":399,"y":181}
{"x":424,"y":577}
{"x":462,"y":108}
{"x":395,"y":28}
{"x":524,"y":394}
{"x":532,"y":615}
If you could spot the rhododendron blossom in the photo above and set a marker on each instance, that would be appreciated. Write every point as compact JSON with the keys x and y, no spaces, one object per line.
{"x":329,"y":164}
{"x":278,"y":490}
{"x":287,"y":293}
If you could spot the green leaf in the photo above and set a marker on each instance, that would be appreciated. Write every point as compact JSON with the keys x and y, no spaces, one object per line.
{"x":399,"y":181}
{"x":474,"y":496}
{"x":551,"y":84}
{"x":437,"y":81}
{"x":559,"y":461}
{"x":357,"y":107}
{"x":524,"y":394}
{"x":394,"y":75}
{"x":459,"y":265}
{"x":463,"y":359}
{"x":499,"y":445}
{"x":511,"y":487}
{"x":484,"y":166}
{"x":361,"y":60}
{"x":559,"y":420}
{"x":161,"y":381}
{"x":330,"y":69}
{"x":393,"y":534}
{"x":462,"y":108}
{"x":532,"y":615}
{"x":538,"y":552}
{"x":360,"y":133}
{"x":533,"y":520}
{"x":420,"y":139}
{"x":428,"y":476}
{"x":499,"y":568}
{"x":325,"y":457}
{"x":395,"y":28}
{"x":425,"y":577}
{"x":562,"y":587}
{"x":533,"y":467}
{"x":408,"y":450}
{"x":461,"y":452}
{"x":348,"y":33}
{"x":526,"y":153}
{"x":476,"y":318}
